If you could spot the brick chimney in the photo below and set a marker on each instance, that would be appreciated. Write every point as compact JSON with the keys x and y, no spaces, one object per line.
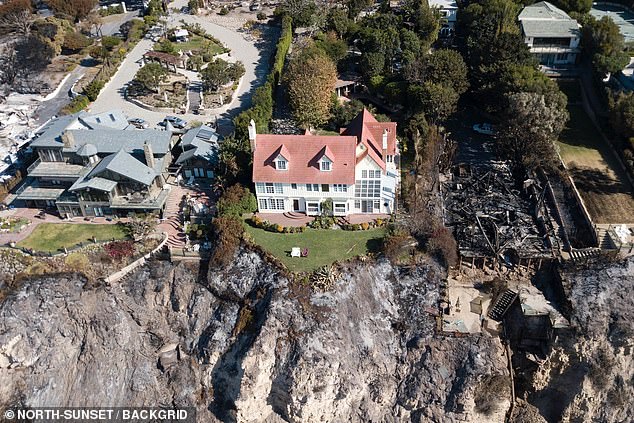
{"x":68,"y":139}
{"x":149,"y":154}
{"x":252,"y":135}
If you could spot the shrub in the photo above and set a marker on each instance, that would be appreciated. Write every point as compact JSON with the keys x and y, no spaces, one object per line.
{"x":119,"y":249}
{"x":279,"y":228}
{"x":443,"y":245}
{"x":223,"y":11}
{"x":110,"y":42}
{"x":77,"y":104}
{"x":355,"y":227}
{"x":236,"y":201}
{"x":93,"y":89}
{"x":77,"y":262}
{"x":75,"y":41}
{"x":394,"y":242}
{"x":228,"y":231}
{"x":365,"y":226}
{"x":261,"y":16}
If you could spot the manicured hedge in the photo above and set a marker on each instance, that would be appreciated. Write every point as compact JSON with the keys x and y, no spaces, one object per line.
{"x":261,"y":111}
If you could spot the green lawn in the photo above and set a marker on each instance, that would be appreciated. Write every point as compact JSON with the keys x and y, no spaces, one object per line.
{"x":324,"y":246}
{"x":196,"y":42}
{"x":599,"y":177}
{"x":53,"y":237}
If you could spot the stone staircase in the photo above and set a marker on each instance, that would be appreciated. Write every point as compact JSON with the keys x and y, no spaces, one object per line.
{"x":294,"y":215}
{"x":173,"y":224}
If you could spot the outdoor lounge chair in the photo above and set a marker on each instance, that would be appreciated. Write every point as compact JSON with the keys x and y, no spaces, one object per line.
{"x":295,"y":252}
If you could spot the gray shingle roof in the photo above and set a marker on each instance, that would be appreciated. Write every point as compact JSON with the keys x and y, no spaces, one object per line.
{"x":125,"y":165}
{"x":87,"y":150}
{"x":50,"y":134}
{"x":109,"y":141}
{"x":545,"y":20}
{"x":106,"y":140}
{"x":200,"y":142}
{"x":97,"y":183}
{"x":114,"y":119}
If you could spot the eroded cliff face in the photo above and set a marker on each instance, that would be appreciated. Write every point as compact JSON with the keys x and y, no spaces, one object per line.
{"x":589,"y":374}
{"x":247,"y":345}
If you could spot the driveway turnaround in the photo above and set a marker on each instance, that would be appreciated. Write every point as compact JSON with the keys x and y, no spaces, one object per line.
{"x":255,"y":62}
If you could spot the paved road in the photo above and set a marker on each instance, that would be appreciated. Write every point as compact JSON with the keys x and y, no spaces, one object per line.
{"x":255,"y":61}
{"x":112,"y":23}
{"x":51,"y":107}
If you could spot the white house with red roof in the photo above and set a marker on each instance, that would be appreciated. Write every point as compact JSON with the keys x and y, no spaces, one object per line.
{"x":357,"y":169}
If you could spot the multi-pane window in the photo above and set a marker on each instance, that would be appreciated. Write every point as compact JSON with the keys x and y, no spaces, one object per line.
{"x":312,"y":187}
{"x":293,"y":186}
{"x":270,"y":187}
{"x":281,"y":164}
{"x":279,"y":188}
{"x":312,"y":207}
{"x":325,"y":187}
{"x":364,"y":174}
{"x":340,"y":188}
{"x":368,"y":188}
{"x":340,"y":207}
{"x":271,"y":204}
{"x":357,"y":204}
{"x":325,"y":165}
{"x":259,"y":187}
{"x":390,"y":158}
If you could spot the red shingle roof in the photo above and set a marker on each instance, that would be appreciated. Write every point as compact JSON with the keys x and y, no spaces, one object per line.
{"x":303,"y":152}
{"x":303,"y":162}
{"x":370,"y":134}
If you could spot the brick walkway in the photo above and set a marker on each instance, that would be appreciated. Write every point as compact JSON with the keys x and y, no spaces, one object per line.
{"x":173,"y":219}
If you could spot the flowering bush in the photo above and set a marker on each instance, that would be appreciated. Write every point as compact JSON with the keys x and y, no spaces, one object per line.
{"x":119,"y":249}
{"x":257,"y":222}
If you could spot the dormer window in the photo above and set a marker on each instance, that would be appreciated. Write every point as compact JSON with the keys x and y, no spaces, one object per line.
{"x":325,"y":165}
{"x":281,"y":163}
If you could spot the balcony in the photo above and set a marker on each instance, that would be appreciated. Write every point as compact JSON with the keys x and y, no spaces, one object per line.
{"x":41,"y":169}
{"x":155,"y":201}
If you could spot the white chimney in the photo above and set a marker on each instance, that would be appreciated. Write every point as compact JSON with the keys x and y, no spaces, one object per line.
{"x":384,"y":141}
{"x":149,"y":154}
{"x":252,"y":134}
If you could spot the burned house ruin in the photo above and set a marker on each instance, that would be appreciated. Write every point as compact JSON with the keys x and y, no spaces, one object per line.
{"x":494,"y":222}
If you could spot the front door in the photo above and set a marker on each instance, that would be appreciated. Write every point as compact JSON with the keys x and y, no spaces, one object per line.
{"x":366,"y":206}
{"x":295,"y":205}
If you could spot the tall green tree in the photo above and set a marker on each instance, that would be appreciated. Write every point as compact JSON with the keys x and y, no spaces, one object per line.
{"x":151,"y":76}
{"x":530,"y":127}
{"x":311,"y":79}
{"x":445,"y":67}
{"x":605,"y":44}
{"x":435,"y":100}
{"x":220,"y":72}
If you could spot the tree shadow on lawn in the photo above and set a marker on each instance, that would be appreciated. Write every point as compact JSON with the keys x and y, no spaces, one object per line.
{"x":598,"y":182}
